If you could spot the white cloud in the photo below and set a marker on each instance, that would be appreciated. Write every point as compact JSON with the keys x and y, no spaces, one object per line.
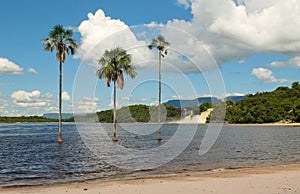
{"x":233,"y":31}
{"x":125,"y":98}
{"x":118,"y":104}
{"x":141,"y":100}
{"x":293,"y":62}
{"x":86,"y":105}
{"x":193,"y":97}
{"x":259,"y":26}
{"x":266,"y":76}
{"x":223,"y":96}
{"x":32,"y":99}
{"x":185,"y":3}
{"x":257,"y":5}
{"x":219,"y":31}
{"x":9,"y":67}
{"x":32,"y":70}
{"x":4,"y":105}
{"x":66,"y":96}
{"x":100,"y":33}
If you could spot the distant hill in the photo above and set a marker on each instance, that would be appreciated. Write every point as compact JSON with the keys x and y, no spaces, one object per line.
{"x":55,"y":115}
{"x":235,"y":99}
{"x":193,"y":103}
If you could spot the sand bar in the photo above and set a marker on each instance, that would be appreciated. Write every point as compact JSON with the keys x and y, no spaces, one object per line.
{"x":278,"y":179}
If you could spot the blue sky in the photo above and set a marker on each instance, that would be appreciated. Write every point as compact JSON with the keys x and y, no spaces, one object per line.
{"x":217,"y":48}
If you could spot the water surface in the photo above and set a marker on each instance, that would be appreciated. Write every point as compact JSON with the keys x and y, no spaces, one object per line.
{"x":29,"y":153}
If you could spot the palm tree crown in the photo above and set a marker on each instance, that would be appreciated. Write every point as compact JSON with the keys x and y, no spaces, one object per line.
{"x":160,"y":43}
{"x":62,"y":41}
{"x":113,"y":63}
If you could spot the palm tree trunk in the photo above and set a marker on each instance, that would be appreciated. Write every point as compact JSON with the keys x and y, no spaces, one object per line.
{"x":115,"y":139}
{"x":59,"y":140}
{"x":159,"y":95}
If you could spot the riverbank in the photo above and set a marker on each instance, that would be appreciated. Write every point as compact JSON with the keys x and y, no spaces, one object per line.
{"x":277,"y":179}
{"x":264,"y":124}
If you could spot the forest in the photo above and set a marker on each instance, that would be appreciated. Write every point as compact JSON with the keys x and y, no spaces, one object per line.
{"x":140,"y":113}
{"x":25,"y":119}
{"x":282,"y":104}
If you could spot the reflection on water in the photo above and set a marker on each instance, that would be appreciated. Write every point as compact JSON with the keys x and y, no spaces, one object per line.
{"x":29,"y":153}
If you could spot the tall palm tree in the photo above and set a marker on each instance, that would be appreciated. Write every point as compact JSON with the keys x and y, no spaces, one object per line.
{"x":114,"y":63}
{"x":160,"y":44}
{"x":61,"y":40}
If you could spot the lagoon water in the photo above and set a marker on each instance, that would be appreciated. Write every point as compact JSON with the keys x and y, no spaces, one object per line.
{"x":30,"y":155}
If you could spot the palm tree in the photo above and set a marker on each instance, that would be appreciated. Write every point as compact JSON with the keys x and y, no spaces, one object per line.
{"x":61,"y":40}
{"x":114,"y":63}
{"x":160,"y":44}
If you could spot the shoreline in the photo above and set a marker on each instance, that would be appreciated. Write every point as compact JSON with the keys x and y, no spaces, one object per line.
{"x":269,"y":179}
{"x":174,"y":122}
{"x":263,"y":124}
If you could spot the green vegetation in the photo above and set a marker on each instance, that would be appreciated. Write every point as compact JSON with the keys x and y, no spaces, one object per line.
{"x":282,"y":104}
{"x":204,"y":107}
{"x":25,"y":119}
{"x":138,"y":113}
{"x":31,"y":119}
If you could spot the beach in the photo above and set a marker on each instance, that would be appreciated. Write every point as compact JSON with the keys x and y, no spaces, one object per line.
{"x":275,"y":179}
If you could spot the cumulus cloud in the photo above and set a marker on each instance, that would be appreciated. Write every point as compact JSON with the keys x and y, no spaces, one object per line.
{"x":233,"y":31}
{"x":32,"y":70}
{"x":32,"y":99}
{"x":8,"y":67}
{"x":219,"y":31}
{"x":266,"y":76}
{"x":86,"y":105}
{"x":4,"y":105}
{"x":259,"y":26}
{"x":293,"y":62}
{"x":66,"y":96}
{"x":100,"y":33}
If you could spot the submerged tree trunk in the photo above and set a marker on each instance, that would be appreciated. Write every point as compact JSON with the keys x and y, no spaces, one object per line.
{"x":59,"y":140}
{"x":159,"y":95}
{"x":114,"y":138}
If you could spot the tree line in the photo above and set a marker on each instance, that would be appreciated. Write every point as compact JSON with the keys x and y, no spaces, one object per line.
{"x":30,"y":119}
{"x":135,"y":113}
{"x":282,"y":104}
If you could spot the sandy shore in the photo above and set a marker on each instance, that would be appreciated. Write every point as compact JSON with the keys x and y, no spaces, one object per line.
{"x":266,"y":124}
{"x":279,"y":179}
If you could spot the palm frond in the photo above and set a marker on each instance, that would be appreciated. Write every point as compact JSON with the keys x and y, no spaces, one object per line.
{"x":114,"y":63}
{"x":160,"y":43}
{"x":61,"y":40}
